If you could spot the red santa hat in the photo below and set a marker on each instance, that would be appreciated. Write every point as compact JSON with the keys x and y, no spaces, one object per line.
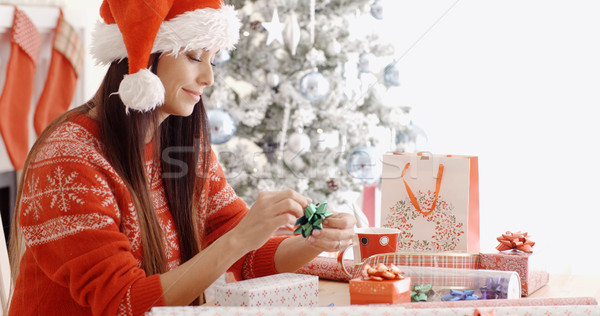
{"x":135,"y":29}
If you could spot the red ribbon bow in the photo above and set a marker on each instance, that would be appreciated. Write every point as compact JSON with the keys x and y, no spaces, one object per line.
{"x":518,"y":241}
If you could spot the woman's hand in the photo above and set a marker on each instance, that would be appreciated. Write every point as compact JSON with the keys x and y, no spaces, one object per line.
{"x":270,"y":211}
{"x":336,"y":234}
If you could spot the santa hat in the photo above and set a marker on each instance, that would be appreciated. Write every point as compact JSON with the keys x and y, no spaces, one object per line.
{"x":135,"y":29}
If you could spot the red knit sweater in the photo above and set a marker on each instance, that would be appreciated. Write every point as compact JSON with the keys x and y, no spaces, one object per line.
{"x":83,"y":253}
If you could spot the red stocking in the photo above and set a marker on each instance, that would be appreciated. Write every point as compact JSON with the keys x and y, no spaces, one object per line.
{"x":15,"y":102}
{"x":65,"y":65}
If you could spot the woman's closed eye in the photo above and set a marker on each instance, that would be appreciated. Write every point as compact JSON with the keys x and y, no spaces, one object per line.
{"x":193,"y":58}
{"x":198,"y":59}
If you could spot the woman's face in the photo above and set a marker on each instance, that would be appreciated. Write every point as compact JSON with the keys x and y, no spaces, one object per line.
{"x":184,"y":77}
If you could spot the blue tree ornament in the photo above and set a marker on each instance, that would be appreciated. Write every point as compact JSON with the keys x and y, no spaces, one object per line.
{"x":314,"y":86}
{"x":412,"y":139}
{"x":364,"y":165}
{"x":222,"y":125}
{"x":391,"y":75}
{"x":377,"y":9}
{"x":366,"y":62}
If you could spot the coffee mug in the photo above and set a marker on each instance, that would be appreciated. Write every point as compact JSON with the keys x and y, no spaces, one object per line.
{"x":369,"y":241}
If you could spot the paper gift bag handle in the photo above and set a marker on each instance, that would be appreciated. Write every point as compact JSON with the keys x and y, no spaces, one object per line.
{"x":413,"y":199}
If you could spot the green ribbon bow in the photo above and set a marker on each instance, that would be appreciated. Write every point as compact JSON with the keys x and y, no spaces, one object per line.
{"x":312,"y":219}
{"x":419,"y":292}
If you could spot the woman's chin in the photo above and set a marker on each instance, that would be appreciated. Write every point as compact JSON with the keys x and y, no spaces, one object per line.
{"x":185,"y":112}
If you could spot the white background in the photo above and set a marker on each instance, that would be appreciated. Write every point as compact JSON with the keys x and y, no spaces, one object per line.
{"x":515,"y":83}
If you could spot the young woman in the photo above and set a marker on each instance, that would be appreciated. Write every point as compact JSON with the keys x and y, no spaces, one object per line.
{"x":123,"y":205}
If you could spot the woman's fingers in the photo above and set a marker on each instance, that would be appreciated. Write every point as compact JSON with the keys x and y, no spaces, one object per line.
{"x":276,"y":209}
{"x":282,"y":208}
{"x":281,"y":200}
{"x":329,"y":234}
{"x":288,"y":206}
{"x":340,"y":221}
{"x":293,"y":195}
{"x":270,"y":211}
{"x":336,"y":234}
{"x":327,"y":244}
{"x":283,"y":220}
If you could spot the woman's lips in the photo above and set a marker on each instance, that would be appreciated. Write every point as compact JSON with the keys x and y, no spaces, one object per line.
{"x":195,"y":95}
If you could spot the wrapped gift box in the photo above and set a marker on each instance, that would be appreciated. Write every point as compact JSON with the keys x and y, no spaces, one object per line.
{"x":285,"y":289}
{"x":379,"y":292}
{"x":529,"y":266}
{"x":456,"y":260}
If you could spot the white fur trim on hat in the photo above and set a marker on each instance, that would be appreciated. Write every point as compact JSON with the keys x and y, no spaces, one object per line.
{"x":198,"y":29}
{"x":142,"y":91}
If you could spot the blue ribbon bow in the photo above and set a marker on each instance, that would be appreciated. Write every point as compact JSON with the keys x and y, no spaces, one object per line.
{"x":460,"y":296}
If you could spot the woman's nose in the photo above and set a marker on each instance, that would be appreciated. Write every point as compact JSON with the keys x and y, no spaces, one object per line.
{"x":206,"y":76}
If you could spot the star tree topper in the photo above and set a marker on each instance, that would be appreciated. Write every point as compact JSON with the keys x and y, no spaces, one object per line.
{"x":275,"y":29}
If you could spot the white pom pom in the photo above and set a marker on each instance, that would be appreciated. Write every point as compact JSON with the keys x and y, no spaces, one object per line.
{"x":142,"y":91}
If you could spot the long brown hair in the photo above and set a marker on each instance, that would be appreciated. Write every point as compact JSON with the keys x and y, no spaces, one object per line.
{"x":178,"y":139}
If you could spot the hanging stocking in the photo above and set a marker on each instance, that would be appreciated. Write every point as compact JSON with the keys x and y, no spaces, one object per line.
{"x":65,"y":66}
{"x":15,"y":102}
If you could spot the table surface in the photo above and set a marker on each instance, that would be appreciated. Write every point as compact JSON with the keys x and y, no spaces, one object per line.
{"x":558,"y":286}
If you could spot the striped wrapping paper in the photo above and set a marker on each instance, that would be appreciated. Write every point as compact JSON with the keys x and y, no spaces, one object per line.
{"x":328,"y":268}
{"x":455,"y":260}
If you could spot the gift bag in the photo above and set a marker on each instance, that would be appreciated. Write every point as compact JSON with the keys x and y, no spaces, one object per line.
{"x":433,"y":200}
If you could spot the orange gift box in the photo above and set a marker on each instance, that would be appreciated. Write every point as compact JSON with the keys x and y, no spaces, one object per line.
{"x":379,"y":292}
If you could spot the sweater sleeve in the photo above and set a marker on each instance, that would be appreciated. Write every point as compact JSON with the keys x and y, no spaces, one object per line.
{"x":70,"y":219}
{"x":223,"y":212}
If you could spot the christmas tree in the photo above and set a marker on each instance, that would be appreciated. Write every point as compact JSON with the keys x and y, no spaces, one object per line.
{"x":304,"y":100}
